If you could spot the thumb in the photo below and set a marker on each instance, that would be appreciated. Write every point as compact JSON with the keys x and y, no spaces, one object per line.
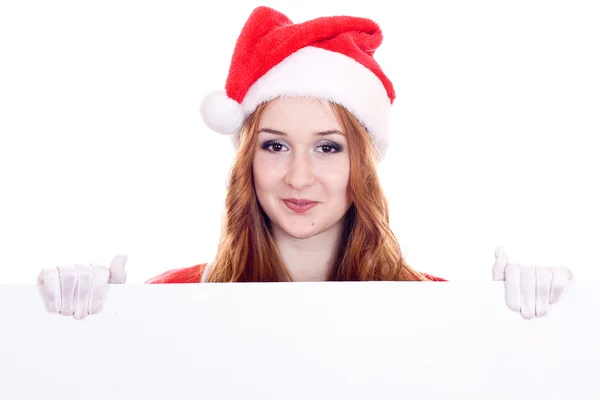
{"x":500,"y":264}
{"x":117,"y":269}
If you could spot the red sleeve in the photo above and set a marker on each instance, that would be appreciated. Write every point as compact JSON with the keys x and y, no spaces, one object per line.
{"x":434,"y":278}
{"x":194,"y":275}
{"x":180,"y":275}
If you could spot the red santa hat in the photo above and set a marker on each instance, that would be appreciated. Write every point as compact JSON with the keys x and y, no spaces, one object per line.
{"x":329,"y":58}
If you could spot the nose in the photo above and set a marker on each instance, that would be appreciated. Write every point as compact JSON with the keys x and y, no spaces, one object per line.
{"x":300,"y":172}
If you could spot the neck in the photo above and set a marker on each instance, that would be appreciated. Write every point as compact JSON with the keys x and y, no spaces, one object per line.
{"x":311,"y":259}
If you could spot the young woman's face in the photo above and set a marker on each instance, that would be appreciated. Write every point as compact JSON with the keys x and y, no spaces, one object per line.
{"x":301,"y":154}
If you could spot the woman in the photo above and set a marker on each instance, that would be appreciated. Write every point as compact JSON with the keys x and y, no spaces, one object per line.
{"x":308,"y":108}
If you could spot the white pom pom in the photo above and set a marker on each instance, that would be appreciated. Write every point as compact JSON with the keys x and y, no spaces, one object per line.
{"x":221,"y":113}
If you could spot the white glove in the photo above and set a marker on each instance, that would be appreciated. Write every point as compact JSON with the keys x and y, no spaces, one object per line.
{"x":530,"y":289}
{"x":80,"y":290}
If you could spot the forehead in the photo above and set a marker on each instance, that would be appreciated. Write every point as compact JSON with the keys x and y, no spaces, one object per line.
{"x":298,"y":115}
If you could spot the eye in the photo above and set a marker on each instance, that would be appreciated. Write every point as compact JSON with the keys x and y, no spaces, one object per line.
{"x":276,"y":145}
{"x":330,"y":148}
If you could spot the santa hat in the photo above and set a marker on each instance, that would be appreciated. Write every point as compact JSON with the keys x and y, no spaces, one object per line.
{"x":329,"y":58}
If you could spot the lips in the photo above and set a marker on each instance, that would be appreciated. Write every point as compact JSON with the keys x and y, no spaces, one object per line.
{"x":299,"y":205}
{"x":299,"y":202}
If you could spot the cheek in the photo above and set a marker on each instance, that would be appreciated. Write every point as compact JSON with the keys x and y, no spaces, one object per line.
{"x":336,"y":178}
{"x":266,"y":174}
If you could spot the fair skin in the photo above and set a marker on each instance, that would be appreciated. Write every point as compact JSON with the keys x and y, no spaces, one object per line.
{"x":302,"y":153}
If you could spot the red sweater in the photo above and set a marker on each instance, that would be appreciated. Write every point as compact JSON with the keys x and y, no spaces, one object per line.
{"x":194,"y":275}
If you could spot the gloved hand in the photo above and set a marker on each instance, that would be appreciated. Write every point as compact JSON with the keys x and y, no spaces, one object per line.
{"x":530,"y":289}
{"x":79,"y":289}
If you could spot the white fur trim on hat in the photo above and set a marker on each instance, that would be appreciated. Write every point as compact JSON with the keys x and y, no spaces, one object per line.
{"x":316,"y":72}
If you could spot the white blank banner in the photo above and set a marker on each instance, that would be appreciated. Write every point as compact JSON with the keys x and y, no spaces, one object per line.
{"x":301,"y":341}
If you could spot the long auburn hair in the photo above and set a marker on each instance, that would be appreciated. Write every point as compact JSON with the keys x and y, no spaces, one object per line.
{"x":369,"y":250}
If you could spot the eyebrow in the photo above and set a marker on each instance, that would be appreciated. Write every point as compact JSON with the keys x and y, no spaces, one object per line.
{"x":322,"y":133}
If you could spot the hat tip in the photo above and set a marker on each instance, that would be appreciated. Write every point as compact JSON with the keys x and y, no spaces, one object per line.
{"x":221,"y":113}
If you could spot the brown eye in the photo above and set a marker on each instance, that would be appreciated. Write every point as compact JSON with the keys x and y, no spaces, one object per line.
{"x":273,"y":146}
{"x":330,"y":148}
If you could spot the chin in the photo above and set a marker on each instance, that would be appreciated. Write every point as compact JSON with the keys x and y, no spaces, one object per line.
{"x":299,"y":232}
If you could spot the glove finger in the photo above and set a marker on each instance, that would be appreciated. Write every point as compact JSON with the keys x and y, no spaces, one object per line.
{"x":82,"y":290}
{"x":560,"y":277}
{"x":528,"y":285}
{"x":499,"y":267}
{"x":99,"y":289}
{"x":49,"y":283}
{"x":513,"y":287}
{"x":68,"y":283}
{"x":117,"y":269}
{"x":543,"y":276}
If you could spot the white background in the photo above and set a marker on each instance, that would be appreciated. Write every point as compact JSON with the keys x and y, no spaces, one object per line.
{"x":102,"y":149}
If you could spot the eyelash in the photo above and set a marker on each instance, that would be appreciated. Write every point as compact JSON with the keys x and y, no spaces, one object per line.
{"x":265,"y":146}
